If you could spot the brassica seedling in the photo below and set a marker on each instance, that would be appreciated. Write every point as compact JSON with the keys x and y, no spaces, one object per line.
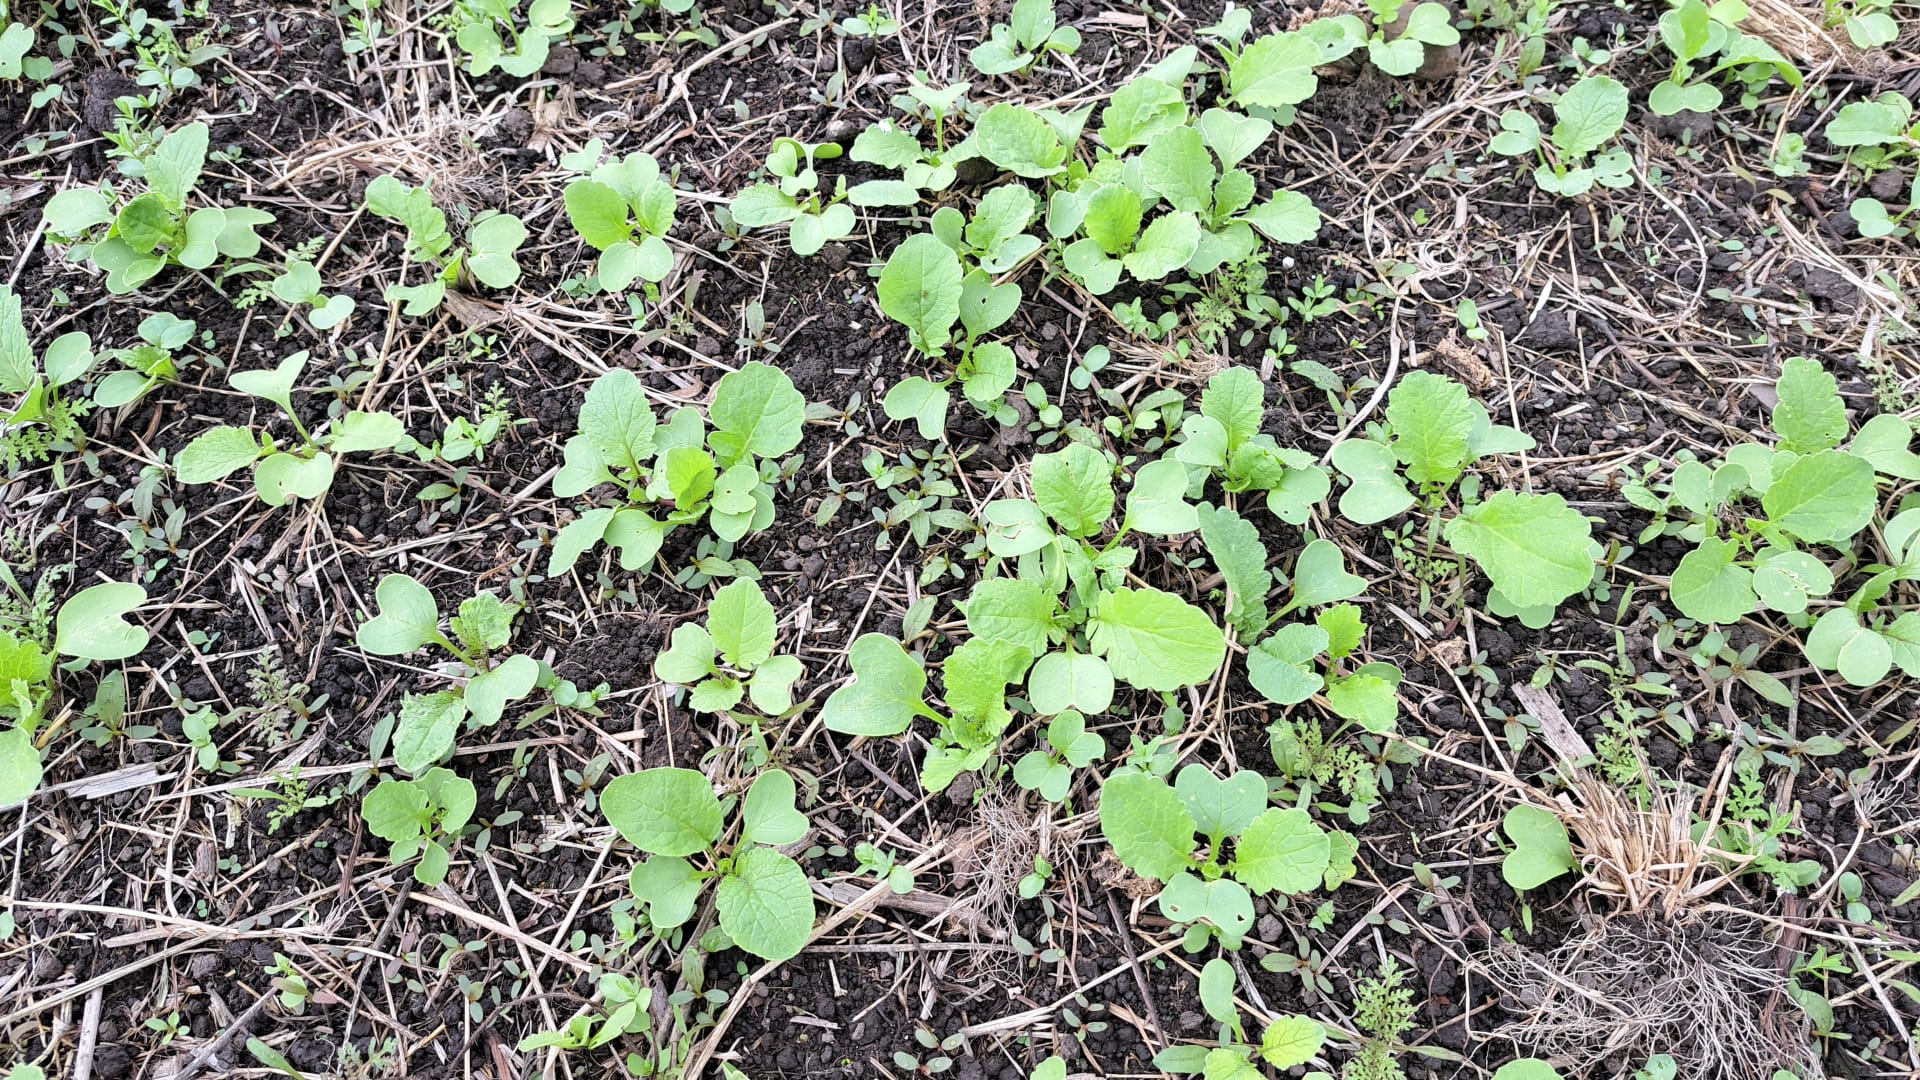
{"x":624,"y":210}
{"x":44,"y":417}
{"x":1586,"y":117}
{"x":1428,"y":24}
{"x":732,"y":656}
{"x":302,"y":470}
{"x":300,"y":283}
{"x":764,"y":902}
{"x":1030,"y":32}
{"x":133,"y":238}
{"x":488,"y":257}
{"x":147,"y":364}
{"x":1225,"y":440}
{"x":421,"y":817}
{"x":1697,"y":35}
{"x":484,"y":28}
{"x":813,"y":216}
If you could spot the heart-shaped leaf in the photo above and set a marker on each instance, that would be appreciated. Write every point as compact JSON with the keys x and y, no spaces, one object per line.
{"x":92,"y":624}
{"x":408,"y":618}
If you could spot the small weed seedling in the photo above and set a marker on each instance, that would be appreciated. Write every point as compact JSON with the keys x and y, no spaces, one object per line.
{"x":1287,"y":1041}
{"x":44,"y":419}
{"x":304,"y":470}
{"x":133,"y":238}
{"x":147,"y":364}
{"x":765,"y":904}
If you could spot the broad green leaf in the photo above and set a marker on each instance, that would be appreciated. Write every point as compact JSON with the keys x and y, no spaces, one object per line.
{"x":395,"y":810}
{"x":1710,"y":586}
{"x":1065,"y":680}
{"x":361,"y":431}
{"x":1274,"y":71}
{"x":1786,"y":578}
{"x":1014,"y":611}
{"x":1375,"y":492}
{"x":1235,"y":547}
{"x":670,"y":887}
{"x":1156,"y":641}
{"x":408,"y":619}
{"x":688,"y":657}
{"x":1589,"y":114}
{"x":1291,"y":1040}
{"x":1164,"y":246}
{"x":1823,"y":498}
{"x":1810,"y":415}
{"x":756,"y":410}
{"x":766,"y":905}
{"x":1541,"y":849}
{"x":1176,"y":164}
{"x":490,"y":692}
{"x":1320,"y":577}
{"x":1281,"y":851}
{"x":20,"y":768}
{"x":275,"y":385}
{"x":1840,"y":642}
{"x":1432,"y":417}
{"x":1157,"y":503}
{"x":494,"y":239}
{"x":920,"y":289}
{"x":1366,"y":699}
{"x":1139,"y":111}
{"x":598,"y":213}
{"x":1020,"y":140}
{"x":1221,"y":808}
{"x":1526,"y":1069}
{"x":1288,"y":217}
{"x":281,"y":478}
{"x":1236,"y":399}
{"x":1075,"y":487}
{"x":1231,"y":136}
{"x":1148,"y":826}
{"x":174,"y":166}
{"x":1113,"y":216}
{"x":885,"y":694}
{"x":427,"y":730}
{"x":768,"y":816}
{"x":664,"y":811}
{"x":922,"y":401}
{"x":1217,"y":983}
{"x":92,"y":623}
{"x":1223,"y":902}
{"x":216,"y":454}
{"x":1885,"y":441}
{"x":1534,"y":548}
{"x":742,"y":623}
{"x":1282,"y":666}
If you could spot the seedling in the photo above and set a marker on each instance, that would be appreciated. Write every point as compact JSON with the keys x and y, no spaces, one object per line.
{"x":724,"y":476}
{"x":1287,"y":1041}
{"x":304,"y":470}
{"x":133,"y":238}
{"x":624,"y":210}
{"x":1586,"y":117}
{"x":873,"y":22}
{"x":1812,"y":494}
{"x":1537,"y":550}
{"x":488,"y":257}
{"x":1069,"y":746}
{"x":1395,"y":45}
{"x":883,"y":864}
{"x":1030,"y":33}
{"x":430,"y":724}
{"x":300,"y":284}
{"x":1869,"y":23}
{"x":886,"y":144}
{"x":1151,"y":825}
{"x":147,"y":364}
{"x":420,"y":817}
{"x":1541,"y":851}
{"x":488,"y":32}
{"x":795,"y":199}
{"x":45,"y":419}
{"x":1225,"y":440}
{"x":1697,"y":34}
{"x":765,"y":904}
{"x":623,"y":1010}
{"x":740,"y":633}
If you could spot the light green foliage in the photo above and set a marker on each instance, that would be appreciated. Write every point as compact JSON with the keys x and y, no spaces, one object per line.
{"x":91,"y":625}
{"x":1225,"y":440}
{"x":492,"y":240}
{"x":300,"y":283}
{"x":420,"y":817}
{"x":147,"y":364}
{"x":1024,"y":141}
{"x":1151,"y":826}
{"x":1537,"y":550}
{"x":794,"y":198}
{"x":302,"y":470}
{"x":1817,"y":491}
{"x":1878,"y":133}
{"x":42,"y":417}
{"x":1383,"y":1010}
{"x":134,"y":236}
{"x":1398,"y":38}
{"x":1069,"y":746}
{"x":1586,"y":117}
{"x":489,"y":32}
{"x":1699,"y":35}
{"x":623,"y":209}
{"x":1526,"y":1069}
{"x":1277,"y":71}
{"x":732,"y":657}
{"x":1301,"y":660}
{"x":429,"y":725}
{"x":1541,"y":848}
{"x":25,"y":686}
{"x":679,"y":470}
{"x":1029,"y":33}
{"x":764,"y":902}
{"x":890,"y":146}
{"x":623,"y":1010}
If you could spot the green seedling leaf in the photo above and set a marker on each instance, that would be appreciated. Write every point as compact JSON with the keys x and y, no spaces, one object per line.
{"x":489,"y":692}
{"x":1013,"y":611}
{"x":1785,"y":579}
{"x":1274,"y":71}
{"x":92,"y":623}
{"x":1221,"y":808}
{"x":766,"y":905}
{"x":768,"y":815}
{"x":664,"y":811}
{"x":756,"y":410}
{"x":1063,"y":680}
{"x":1589,"y":114}
{"x":1535,"y":548}
{"x":1291,"y":1040}
{"x":1075,"y":487}
{"x":281,"y":478}
{"x":1541,"y":849}
{"x":1222,"y":902}
{"x":1884,"y":442}
{"x":428,"y":727}
{"x":1823,"y":498}
{"x":1020,"y":140}
{"x":742,"y":623}
{"x":1281,"y":851}
{"x":408,"y":619}
{"x":1840,"y":641}
{"x":1164,"y":246}
{"x":1375,"y":491}
{"x":1711,"y":586}
{"x":1320,"y":577}
{"x":216,"y":454}
{"x":1526,"y":1069}
{"x":275,"y":385}
{"x":1156,"y":641}
{"x":1148,"y":826}
{"x":1810,"y":415}
{"x":20,"y":768}
{"x":1234,"y":545}
{"x":1432,"y":419}
{"x":1157,"y":504}
{"x":1282,"y":666}
{"x":1178,"y":167}
{"x":922,"y":401}
{"x":885,"y":694}
{"x":920,"y":288}
{"x":669,"y":887}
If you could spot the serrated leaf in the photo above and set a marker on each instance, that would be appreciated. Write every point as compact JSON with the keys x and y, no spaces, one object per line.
{"x":1823,"y":498}
{"x":920,"y":289}
{"x":742,"y":623}
{"x":756,"y":410}
{"x":1534,"y":548}
{"x":1810,"y":415}
{"x":1235,"y":547}
{"x":1156,"y":641}
{"x":1281,"y":851}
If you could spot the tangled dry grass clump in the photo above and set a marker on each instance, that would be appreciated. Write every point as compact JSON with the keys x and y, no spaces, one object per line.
{"x":1703,"y":989}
